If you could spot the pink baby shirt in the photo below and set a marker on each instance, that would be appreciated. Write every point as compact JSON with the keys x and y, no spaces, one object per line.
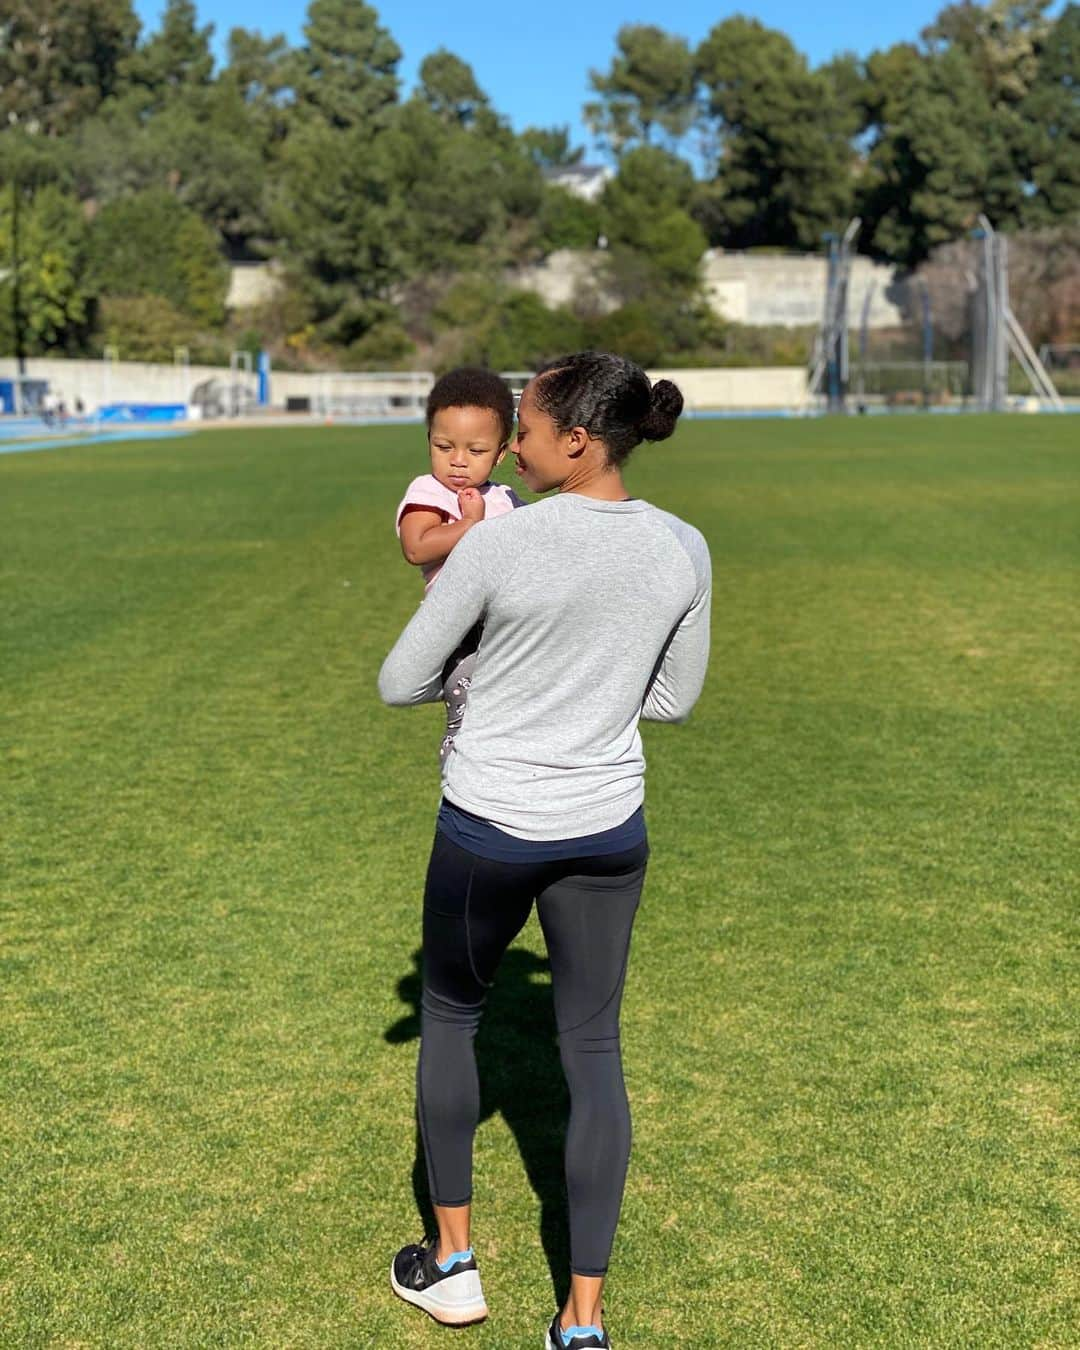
{"x":428,"y":491}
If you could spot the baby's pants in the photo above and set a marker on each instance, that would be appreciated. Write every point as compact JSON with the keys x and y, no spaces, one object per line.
{"x":457,"y":677}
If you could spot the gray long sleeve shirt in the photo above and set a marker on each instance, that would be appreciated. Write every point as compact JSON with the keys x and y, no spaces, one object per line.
{"x":595,"y":614}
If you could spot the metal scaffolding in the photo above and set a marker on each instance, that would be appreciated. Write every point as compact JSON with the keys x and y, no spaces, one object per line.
{"x":830,"y":361}
{"x":996,"y":332}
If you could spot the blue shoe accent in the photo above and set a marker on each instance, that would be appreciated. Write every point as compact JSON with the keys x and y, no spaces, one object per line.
{"x":570,"y":1332}
{"x":454,"y":1258}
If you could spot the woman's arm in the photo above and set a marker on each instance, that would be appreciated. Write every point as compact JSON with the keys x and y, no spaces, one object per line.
{"x":680,"y":672}
{"x":412,"y":673}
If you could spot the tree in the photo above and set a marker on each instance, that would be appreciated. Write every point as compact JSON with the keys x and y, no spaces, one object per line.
{"x":549,"y":147}
{"x":1001,"y":40}
{"x":928,"y":170}
{"x":346,"y":73}
{"x":465,"y":195}
{"x":174,"y":61}
{"x":59,"y":59}
{"x":479,"y":321}
{"x":449,"y":88}
{"x":149,"y":244}
{"x":650,"y":84}
{"x":259,"y":69}
{"x":146,"y":327}
{"x":54,"y":303}
{"x":782,"y":137}
{"x":1051,"y":113}
{"x":1001,"y":43}
{"x":645,"y":216}
{"x":567,"y":221}
{"x":335,"y":213}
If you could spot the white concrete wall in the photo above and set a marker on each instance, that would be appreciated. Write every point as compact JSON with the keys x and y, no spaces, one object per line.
{"x":98,"y":382}
{"x":566,"y":277}
{"x":754,"y":387}
{"x":766,"y":289}
{"x":756,"y":289}
{"x":141,"y":382}
{"x":252,"y":283}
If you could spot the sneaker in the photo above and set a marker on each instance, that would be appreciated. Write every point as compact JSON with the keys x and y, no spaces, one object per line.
{"x":575,"y":1338}
{"x":452,"y":1296}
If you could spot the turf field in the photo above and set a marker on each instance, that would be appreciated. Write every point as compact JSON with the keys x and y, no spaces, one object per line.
{"x":850,"y":1026}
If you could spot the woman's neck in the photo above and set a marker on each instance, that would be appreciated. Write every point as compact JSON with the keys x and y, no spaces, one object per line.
{"x":596,"y":479}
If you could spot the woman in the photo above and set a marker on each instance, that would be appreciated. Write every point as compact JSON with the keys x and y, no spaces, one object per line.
{"x":595,"y":613}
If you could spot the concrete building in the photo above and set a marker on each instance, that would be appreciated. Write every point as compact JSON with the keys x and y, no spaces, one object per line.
{"x":586,"y":181}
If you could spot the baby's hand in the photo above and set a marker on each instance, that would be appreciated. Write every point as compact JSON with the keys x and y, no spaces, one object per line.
{"x":471,"y":502}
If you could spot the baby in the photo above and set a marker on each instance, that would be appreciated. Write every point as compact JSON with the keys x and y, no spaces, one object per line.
{"x":470,"y":418}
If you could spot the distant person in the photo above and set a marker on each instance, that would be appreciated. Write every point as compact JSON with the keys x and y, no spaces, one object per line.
{"x":470,"y":416}
{"x":595,"y":608}
{"x":47,"y":408}
{"x":80,"y":408}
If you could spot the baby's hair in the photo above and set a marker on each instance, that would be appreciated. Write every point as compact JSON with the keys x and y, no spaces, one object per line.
{"x":611,"y":398}
{"x":472,"y":387}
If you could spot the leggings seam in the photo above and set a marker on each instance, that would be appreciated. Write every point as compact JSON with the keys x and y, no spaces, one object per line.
{"x":564,"y":1031}
{"x":468,"y":931}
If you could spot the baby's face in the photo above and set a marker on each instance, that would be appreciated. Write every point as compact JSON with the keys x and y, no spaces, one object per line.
{"x":465,"y":446}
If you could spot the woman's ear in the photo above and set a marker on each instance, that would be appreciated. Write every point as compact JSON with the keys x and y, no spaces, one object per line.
{"x":577,"y":440}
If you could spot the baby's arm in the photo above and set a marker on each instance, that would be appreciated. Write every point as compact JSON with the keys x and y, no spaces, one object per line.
{"x":428,"y":537}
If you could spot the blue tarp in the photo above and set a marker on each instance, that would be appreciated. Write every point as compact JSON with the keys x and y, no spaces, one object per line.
{"x":142,"y":412}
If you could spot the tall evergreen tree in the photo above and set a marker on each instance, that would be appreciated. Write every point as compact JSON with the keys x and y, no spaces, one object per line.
{"x":1001,"y":40}
{"x":550,"y":148}
{"x":929,"y":164}
{"x":448,"y":85}
{"x":175,"y":61}
{"x":650,"y":86}
{"x":782,"y":135}
{"x":1051,"y":114}
{"x":59,"y":59}
{"x":346,"y":72}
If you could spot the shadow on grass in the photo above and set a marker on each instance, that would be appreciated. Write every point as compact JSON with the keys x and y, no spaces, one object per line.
{"x":521,"y":1079}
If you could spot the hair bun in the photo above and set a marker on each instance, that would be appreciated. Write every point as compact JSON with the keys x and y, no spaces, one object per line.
{"x":665,"y":405}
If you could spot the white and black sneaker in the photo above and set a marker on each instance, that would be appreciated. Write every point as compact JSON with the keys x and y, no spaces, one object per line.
{"x":450,"y":1291}
{"x":575,"y":1338}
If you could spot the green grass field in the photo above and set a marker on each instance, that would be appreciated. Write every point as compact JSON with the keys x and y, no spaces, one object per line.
{"x":850,"y":1026}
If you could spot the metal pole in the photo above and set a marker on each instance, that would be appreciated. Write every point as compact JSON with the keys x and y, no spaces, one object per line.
{"x":16,"y":291}
{"x":1001,"y":372}
{"x":927,"y":343}
{"x":864,"y":341}
{"x":989,"y":283}
{"x":831,"y":354}
{"x":983,"y":320}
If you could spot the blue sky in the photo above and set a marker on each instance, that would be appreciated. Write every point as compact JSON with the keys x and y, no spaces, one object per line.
{"x":533,"y":60}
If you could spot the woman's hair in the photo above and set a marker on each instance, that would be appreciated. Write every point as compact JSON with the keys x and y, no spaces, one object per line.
{"x":471,"y":387}
{"x":610,"y":397}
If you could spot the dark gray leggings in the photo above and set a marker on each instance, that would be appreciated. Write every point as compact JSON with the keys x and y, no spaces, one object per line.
{"x":473,"y":910}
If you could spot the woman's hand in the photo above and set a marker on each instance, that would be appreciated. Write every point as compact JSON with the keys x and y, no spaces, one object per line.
{"x":471,"y":502}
